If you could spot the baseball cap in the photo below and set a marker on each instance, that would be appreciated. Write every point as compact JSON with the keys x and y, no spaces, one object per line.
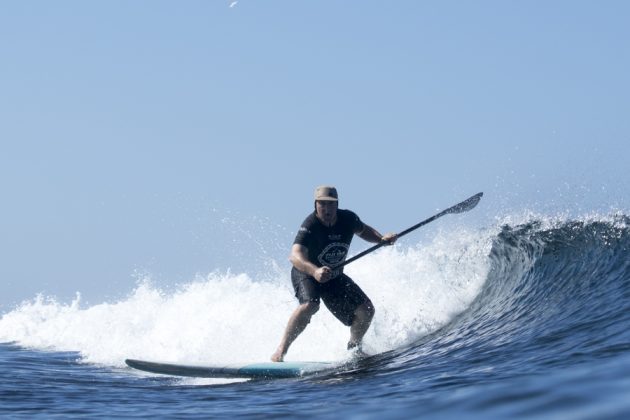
{"x":326,"y":193}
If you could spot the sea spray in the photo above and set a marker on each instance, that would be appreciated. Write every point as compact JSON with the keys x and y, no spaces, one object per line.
{"x":225,"y":317}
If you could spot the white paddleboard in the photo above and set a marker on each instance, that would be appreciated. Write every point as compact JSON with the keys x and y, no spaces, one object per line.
{"x":267,"y":370}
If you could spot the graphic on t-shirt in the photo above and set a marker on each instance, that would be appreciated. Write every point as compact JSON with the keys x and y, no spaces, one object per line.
{"x":333,"y":254}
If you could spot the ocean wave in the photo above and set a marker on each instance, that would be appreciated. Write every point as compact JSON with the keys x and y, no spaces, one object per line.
{"x":515,"y":298}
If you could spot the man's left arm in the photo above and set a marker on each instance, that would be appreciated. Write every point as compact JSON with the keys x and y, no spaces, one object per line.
{"x":372,"y":235}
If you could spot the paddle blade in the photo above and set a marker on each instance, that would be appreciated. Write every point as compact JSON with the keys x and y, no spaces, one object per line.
{"x":466,"y":205}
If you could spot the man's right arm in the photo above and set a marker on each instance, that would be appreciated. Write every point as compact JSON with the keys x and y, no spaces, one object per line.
{"x":299,"y":259}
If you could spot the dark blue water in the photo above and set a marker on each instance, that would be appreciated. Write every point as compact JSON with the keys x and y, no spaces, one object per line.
{"x":547,"y":336}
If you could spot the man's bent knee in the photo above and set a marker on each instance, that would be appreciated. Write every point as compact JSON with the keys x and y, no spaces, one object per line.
{"x":366,"y":310}
{"x":370,"y":309}
{"x":309,"y":308}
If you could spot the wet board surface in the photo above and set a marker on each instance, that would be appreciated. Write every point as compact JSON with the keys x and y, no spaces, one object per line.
{"x":267,"y":370}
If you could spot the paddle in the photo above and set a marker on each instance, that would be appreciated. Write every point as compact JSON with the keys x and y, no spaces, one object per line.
{"x":465,"y":205}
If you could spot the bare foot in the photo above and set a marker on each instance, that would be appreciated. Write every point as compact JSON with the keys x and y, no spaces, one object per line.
{"x":356,"y":351}
{"x":278,"y":356}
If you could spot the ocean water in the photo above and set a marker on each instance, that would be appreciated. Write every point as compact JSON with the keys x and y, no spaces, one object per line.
{"x":524,"y":318}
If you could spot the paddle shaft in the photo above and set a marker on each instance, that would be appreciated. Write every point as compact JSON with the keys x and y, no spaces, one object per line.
{"x":458,"y":208}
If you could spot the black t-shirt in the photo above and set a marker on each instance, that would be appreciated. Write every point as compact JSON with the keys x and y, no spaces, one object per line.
{"x":329,"y":245}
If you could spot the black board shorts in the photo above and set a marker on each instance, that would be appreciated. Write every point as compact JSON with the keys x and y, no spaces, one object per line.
{"x":341,"y":295}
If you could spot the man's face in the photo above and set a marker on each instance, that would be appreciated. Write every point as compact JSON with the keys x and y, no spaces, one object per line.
{"x":326,"y":211}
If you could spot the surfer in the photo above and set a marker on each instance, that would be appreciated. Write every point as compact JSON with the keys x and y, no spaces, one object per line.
{"x":321,"y":244}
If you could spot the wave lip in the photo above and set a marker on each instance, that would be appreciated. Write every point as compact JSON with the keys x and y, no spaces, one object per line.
{"x":557,"y":295}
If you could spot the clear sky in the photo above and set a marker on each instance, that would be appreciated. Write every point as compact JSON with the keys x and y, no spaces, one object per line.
{"x":175,"y":138}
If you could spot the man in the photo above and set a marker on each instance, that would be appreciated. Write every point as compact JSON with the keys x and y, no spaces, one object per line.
{"x":320,"y":245}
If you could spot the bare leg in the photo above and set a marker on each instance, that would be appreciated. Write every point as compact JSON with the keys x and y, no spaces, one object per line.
{"x":297,"y":323}
{"x":362,"y":319}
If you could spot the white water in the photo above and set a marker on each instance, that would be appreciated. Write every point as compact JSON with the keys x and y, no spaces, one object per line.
{"x":228,"y":317}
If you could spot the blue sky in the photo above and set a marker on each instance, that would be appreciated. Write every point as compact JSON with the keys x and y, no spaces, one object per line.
{"x":183,"y":137}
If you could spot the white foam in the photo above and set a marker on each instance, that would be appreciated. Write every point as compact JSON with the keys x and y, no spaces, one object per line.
{"x":227,"y":317}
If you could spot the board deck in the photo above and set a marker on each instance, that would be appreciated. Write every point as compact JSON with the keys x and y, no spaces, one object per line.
{"x":268,"y":370}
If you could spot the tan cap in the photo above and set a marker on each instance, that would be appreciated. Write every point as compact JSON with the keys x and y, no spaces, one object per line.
{"x":326,"y":193}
